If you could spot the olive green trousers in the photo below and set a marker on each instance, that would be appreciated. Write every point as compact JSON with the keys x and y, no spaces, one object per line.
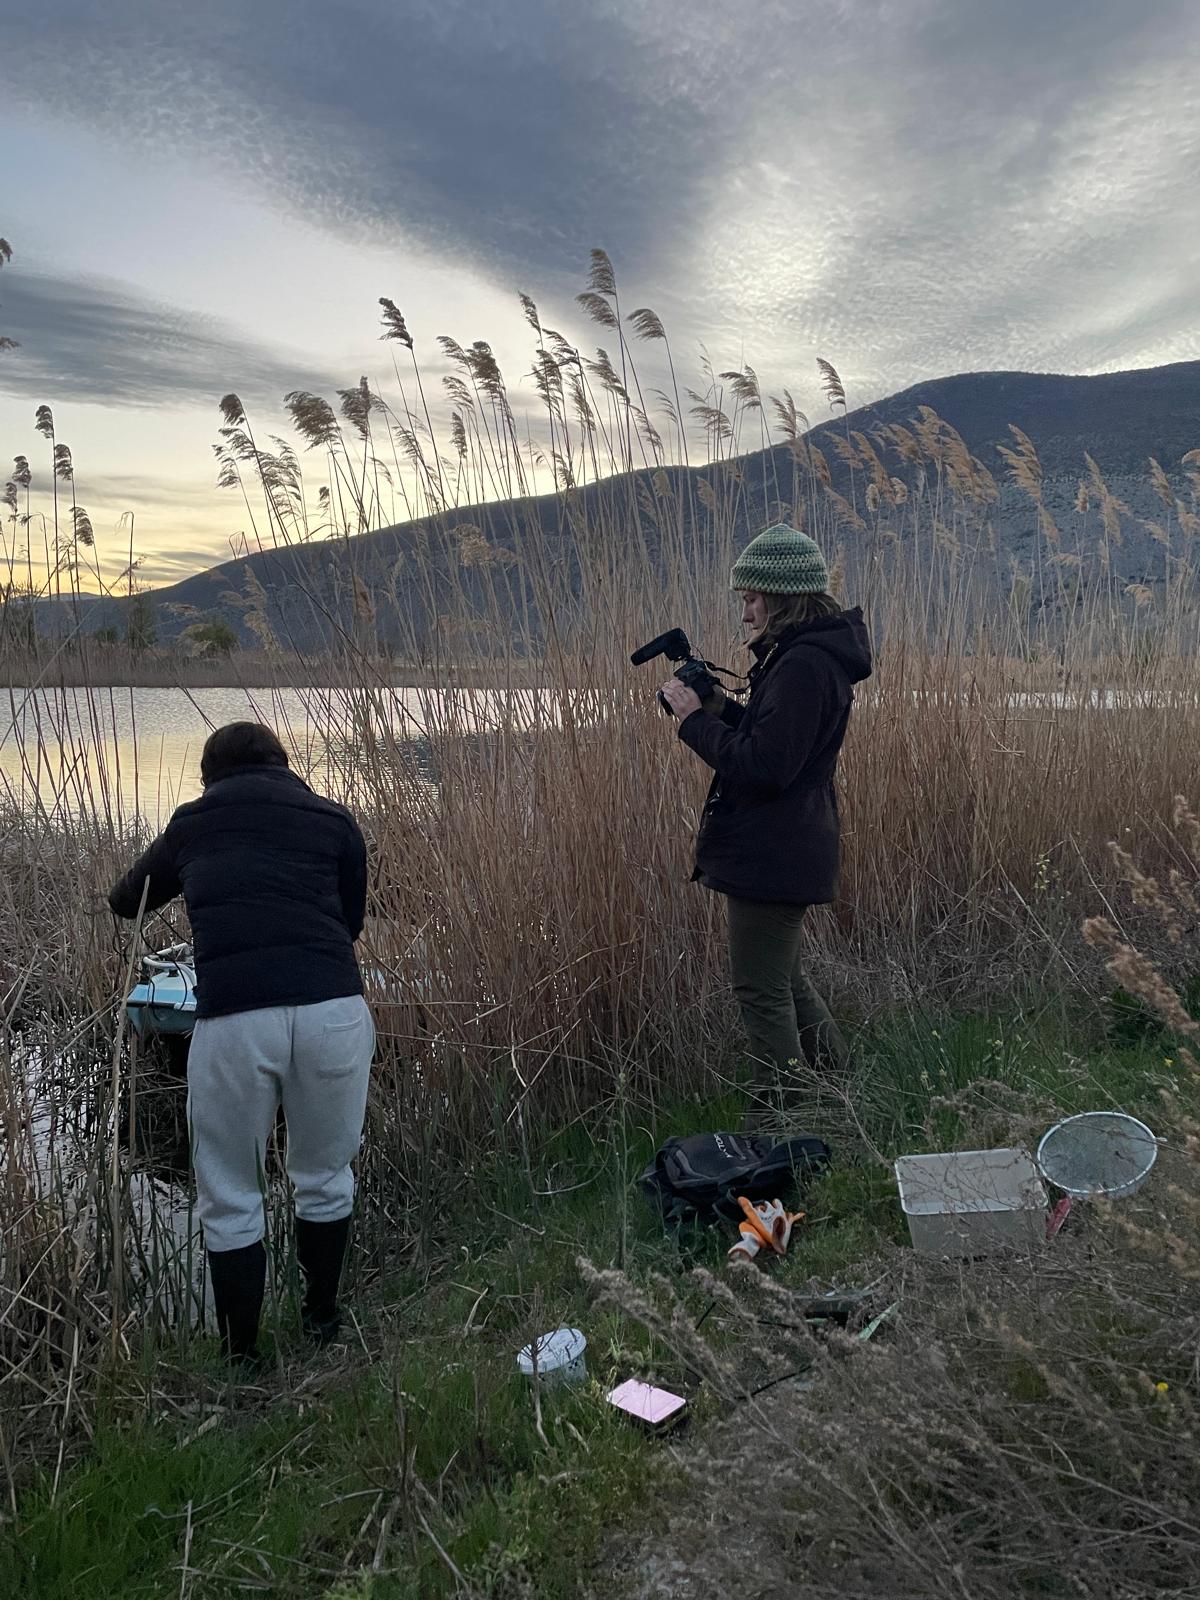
{"x":785,"y":1017}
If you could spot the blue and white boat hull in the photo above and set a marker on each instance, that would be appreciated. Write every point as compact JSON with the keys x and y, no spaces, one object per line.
{"x":164,"y":998}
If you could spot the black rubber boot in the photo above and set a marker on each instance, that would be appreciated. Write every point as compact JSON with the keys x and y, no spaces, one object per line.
{"x":239,"y":1278}
{"x":320,"y":1250}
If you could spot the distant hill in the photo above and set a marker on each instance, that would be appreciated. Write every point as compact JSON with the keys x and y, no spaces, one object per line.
{"x":1120,"y":419}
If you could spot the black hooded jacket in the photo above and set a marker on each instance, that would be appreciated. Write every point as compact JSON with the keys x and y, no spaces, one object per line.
{"x":275,"y":882}
{"x":770,"y":827}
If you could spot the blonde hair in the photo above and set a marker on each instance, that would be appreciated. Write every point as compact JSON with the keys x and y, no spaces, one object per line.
{"x":786,"y":610}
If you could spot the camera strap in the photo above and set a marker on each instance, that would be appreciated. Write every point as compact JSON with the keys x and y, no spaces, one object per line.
{"x":726,"y":672}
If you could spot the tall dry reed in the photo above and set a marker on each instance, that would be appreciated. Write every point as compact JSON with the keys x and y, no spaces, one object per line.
{"x":534,"y":945}
{"x":1023,"y":1425}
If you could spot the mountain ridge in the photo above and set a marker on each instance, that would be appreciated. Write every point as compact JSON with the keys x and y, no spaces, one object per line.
{"x":1120,"y":419}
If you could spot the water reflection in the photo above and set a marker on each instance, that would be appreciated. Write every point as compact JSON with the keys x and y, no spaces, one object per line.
{"x":136,"y":752}
{"x":131,"y":752}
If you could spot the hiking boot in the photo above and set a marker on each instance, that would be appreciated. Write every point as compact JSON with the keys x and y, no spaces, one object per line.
{"x":320,"y":1250}
{"x":322,"y":1331}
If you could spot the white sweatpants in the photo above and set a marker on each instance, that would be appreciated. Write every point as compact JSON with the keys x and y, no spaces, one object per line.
{"x":315,"y":1061}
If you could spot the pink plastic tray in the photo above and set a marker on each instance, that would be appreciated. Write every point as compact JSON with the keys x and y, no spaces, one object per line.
{"x":654,"y":1407}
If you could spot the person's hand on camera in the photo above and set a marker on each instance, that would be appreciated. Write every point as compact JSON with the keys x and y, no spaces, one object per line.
{"x":682,"y":700}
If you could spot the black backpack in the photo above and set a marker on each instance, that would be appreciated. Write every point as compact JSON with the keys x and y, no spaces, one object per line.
{"x":701,"y":1177}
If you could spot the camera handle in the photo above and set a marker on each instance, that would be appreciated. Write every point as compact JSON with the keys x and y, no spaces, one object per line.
{"x":709,"y":667}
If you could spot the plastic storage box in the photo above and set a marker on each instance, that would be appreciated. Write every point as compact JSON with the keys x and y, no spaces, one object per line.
{"x":972,"y":1202}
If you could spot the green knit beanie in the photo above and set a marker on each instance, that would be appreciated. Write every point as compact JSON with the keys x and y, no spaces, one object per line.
{"x":781,"y":561}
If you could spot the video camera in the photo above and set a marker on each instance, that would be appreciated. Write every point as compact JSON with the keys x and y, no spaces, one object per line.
{"x":693,"y":671}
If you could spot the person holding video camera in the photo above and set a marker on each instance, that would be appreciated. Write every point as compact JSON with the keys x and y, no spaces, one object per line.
{"x":769,"y":837}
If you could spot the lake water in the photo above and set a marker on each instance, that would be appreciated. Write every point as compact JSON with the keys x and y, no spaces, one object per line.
{"x":137,"y":751}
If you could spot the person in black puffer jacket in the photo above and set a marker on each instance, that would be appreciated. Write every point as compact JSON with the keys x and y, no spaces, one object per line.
{"x":275,"y":882}
{"x":769,"y":835}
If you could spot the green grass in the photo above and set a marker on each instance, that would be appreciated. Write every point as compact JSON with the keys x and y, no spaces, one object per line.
{"x":938,"y":1080}
{"x":283,"y":1486}
{"x":283,"y":1497}
{"x":280,"y":1493}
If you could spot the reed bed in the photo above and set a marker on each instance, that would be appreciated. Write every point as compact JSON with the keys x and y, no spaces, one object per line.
{"x":538,"y":955}
{"x":1026,"y":1425}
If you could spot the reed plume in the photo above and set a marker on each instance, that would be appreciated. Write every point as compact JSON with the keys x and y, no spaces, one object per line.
{"x":357,"y":405}
{"x":313,"y":418}
{"x":792,"y":422}
{"x":647,"y":324}
{"x":598,"y":308}
{"x":394,"y":325}
{"x":84,"y":534}
{"x":233,"y":411}
{"x":832,"y":383}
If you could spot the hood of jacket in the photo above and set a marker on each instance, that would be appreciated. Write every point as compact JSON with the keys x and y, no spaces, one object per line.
{"x":843,"y":637}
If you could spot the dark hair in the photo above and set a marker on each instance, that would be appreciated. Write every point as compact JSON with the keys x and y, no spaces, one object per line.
{"x":239,"y":744}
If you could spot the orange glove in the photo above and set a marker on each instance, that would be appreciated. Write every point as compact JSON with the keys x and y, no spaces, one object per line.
{"x":767,"y":1226}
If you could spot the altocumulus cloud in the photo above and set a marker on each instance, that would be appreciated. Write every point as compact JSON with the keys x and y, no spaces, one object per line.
{"x":917,"y":185}
{"x":92,"y":339}
{"x":508,"y":131}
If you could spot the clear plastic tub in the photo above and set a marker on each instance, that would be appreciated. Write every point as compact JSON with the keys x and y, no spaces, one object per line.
{"x":972,"y":1202}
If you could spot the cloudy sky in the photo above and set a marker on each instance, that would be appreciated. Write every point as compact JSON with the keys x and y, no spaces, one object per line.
{"x":205,"y":195}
